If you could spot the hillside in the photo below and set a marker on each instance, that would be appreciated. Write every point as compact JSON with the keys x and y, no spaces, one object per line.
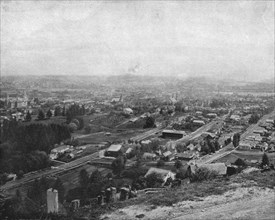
{"x":244,"y":196}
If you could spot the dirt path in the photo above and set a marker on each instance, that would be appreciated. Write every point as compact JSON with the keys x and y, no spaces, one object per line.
{"x":242,"y":203}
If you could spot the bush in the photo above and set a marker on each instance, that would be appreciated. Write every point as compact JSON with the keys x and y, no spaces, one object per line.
{"x":72,"y":127}
{"x":88,"y":129}
{"x":154,"y":180}
{"x":202,"y":174}
{"x":160,"y":163}
{"x":240,"y":162}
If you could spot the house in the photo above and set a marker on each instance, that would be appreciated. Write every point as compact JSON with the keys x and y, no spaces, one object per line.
{"x":114,"y":150}
{"x":149,"y":156}
{"x":173,"y":134}
{"x":128,"y":111}
{"x":165,"y":174}
{"x":167,"y":155}
{"x":185,"y":156}
{"x":56,"y":152}
{"x":133,"y":119}
{"x":219,"y":168}
{"x":244,"y":146}
{"x":198,"y":113}
{"x":271,"y":121}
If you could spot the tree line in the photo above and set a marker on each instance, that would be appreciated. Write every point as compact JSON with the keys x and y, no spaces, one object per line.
{"x":24,"y":148}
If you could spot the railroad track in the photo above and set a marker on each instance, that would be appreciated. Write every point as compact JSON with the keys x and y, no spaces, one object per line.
{"x":52,"y":172}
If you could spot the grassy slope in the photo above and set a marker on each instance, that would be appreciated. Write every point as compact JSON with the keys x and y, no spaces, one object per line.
{"x":189,"y":192}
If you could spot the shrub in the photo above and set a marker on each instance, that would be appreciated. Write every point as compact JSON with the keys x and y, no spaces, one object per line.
{"x":240,"y":162}
{"x":178,"y":164}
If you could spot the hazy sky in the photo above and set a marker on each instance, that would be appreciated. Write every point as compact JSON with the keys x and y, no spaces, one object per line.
{"x":226,"y":39}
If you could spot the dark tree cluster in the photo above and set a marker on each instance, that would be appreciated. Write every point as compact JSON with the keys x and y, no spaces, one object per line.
{"x":24,"y":148}
{"x":73,"y":111}
{"x":253,"y":119}
{"x":236,"y":139}
{"x":38,"y":190}
{"x":210,"y":146}
{"x":89,"y":186}
{"x":149,"y":122}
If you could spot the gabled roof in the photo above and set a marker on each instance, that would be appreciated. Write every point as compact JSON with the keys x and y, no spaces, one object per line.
{"x":162,"y":172}
{"x":167,"y":153}
{"x":115,"y":147}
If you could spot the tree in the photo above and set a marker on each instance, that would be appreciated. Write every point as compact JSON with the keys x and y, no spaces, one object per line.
{"x":240,"y":162}
{"x":41,"y":115}
{"x":236,"y":139}
{"x":58,"y":185}
{"x":149,"y":122}
{"x":265,"y":160}
{"x":83,"y":178}
{"x":76,"y":122}
{"x":72,"y":127}
{"x":118,"y":165}
{"x":57,"y":111}
{"x":178,"y":164}
{"x":253,"y":119}
{"x":160,"y":163}
{"x":28,"y":116}
{"x":64,"y":111}
{"x":49,"y":113}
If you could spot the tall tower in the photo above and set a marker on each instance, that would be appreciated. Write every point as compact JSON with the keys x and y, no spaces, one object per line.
{"x":52,"y":201}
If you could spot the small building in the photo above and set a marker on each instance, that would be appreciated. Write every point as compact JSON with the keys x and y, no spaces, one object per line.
{"x":52,"y":201}
{"x":185,"y":156}
{"x":198,"y":122}
{"x":173,"y":134}
{"x":133,"y":119}
{"x":211,"y":115}
{"x":58,"y":151}
{"x":168,"y":156}
{"x":198,"y":113}
{"x":271,"y":121}
{"x":114,"y":150}
{"x":165,"y":174}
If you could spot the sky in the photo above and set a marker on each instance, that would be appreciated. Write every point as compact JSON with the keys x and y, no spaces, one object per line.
{"x":226,"y":39}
